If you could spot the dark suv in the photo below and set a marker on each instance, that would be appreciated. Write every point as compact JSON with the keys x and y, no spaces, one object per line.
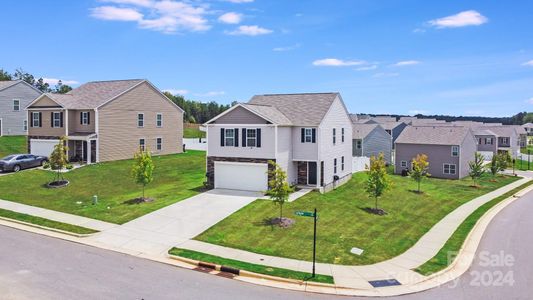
{"x":17,"y":162}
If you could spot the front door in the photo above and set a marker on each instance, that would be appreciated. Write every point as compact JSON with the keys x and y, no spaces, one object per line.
{"x":311,"y":173}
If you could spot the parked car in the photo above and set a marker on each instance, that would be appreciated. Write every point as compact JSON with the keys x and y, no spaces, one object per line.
{"x":17,"y":162}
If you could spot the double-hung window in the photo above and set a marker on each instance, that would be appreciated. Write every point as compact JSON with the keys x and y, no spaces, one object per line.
{"x":449,"y":169}
{"x":358,"y":144}
{"x":342,"y":163}
{"x":84,"y":118}
{"x":334,"y":136}
{"x":505,"y":141}
{"x":308,"y":135}
{"x":56,"y":119}
{"x":342,"y":135}
{"x":16,"y":104}
{"x":229,"y":137}
{"x":158,"y":144}
{"x":25,"y":125}
{"x":455,"y":151}
{"x":159,"y":120}
{"x":403,"y":164}
{"x":251,"y":137}
{"x":142,"y":144}
{"x":140,"y":120}
{"x":334,"y":166}
{"x":36,"y":119}
{"x":488,"y":141}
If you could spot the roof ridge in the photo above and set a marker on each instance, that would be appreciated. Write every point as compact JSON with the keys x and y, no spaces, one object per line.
{"x":115,"y":80}
{"x":290,"y":94}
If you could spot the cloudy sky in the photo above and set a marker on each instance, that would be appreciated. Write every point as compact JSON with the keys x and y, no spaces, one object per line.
{"x":405,"y":57}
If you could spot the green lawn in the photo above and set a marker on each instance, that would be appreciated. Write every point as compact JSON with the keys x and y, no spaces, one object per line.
{"x":12,"y":145}
{"x":193,"y":133}
{"x":260,"y":269}
{"x":522,"y":165}
{"x":344,"y":223}
{"x":176,"y":177}
{"x":525,"y":149}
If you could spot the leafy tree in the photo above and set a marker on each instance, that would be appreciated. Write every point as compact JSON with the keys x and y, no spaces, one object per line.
{"x":197,"y":112}
{"x":378,"y":181}
{"x":61,"y":88}
{"x":278,"y":187}
{"x":58,"y":159}
{"x":504,"y":159}
{"x":4,"y":75}
{"x":23,"y":75}
{"x":494,"y":166}
{"x":528,"y":118}
{"x":42,"y":86}
{"x":143,"y":169}
{"x":420,"y":167}
{"x":476,"y":168}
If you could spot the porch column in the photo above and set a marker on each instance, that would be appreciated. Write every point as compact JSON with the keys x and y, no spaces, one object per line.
{"x":88,"y":151}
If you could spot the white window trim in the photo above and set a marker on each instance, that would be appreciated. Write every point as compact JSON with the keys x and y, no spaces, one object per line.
{"x":84,"y":118}
{"x":161,"y":144}
{"x":449,"y":169}
{"x":18,"y":105}
{"x":54,"y":119}
{"x":226,"y":130}
{"x":138,"y":120}
{"x":308,"y":135}
{"x":455,"y":147}
{"x":35,"y":117}
{"x":403,"y":164}
{"x":156,"y":120}
{"x":254,"y":139}
{"x":143,"y":144}
{"x":342,"y":163}
{"x":25,"y":125}
{"x":489,"y":140}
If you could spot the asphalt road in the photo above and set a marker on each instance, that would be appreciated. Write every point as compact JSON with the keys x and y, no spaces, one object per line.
{"x":39,"y":267}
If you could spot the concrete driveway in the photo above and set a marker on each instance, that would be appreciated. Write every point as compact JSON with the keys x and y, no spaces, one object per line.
{"x":160,"y":230}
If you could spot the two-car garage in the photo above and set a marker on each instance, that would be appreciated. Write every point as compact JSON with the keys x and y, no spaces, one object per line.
{"x":241,"y":176}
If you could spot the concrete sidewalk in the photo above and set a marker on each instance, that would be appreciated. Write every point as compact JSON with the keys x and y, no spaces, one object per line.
{"x":57,"y":216}
{"x":358,"y":277}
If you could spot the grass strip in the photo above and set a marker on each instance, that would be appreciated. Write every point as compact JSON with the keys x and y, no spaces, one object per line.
{"x":44,"y":222}
{"x":441,"y":260}
{"x":250,"y":267}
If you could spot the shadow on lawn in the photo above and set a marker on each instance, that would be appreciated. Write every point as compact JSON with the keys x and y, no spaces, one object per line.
{"x":373,"y":211}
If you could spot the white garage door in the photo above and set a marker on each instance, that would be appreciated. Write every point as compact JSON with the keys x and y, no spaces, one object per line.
{"x":42,"y":147}
{"x":241,"y":176}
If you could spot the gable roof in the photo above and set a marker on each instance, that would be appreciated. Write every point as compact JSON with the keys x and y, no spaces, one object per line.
{"x":503,"y":131}
{"x":360,"y":131}
{"x":269,"y":113}
{"x":433,"y":135}
{"x":391,"y":125}
{"x":9,"y":83}
{"x":483,"y":131}
{"x":301,"y":109}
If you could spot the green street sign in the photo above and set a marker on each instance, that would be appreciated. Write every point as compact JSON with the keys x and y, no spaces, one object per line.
{"x":304,"y":213}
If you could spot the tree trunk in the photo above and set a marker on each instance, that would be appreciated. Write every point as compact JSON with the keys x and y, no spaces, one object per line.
{"x":419,"y":187}
{"x":143,"y":192}
{"x":376,"y":198}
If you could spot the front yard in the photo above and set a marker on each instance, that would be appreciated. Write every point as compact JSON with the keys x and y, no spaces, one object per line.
{"x":176,"y":177}
{"x":12,"y":145}
{"x":343,"y":222}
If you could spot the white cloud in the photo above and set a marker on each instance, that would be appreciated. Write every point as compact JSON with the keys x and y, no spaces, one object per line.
{"x":288,"y":48}
{"x":211,"y":94}
{"x":406,"y":63}
{"x":145,"y":3}
{"x":381,"y":75}
{"x":54,"y":81}
{"x":530,"y":100}
{"x":335,"y":62}
{"x":230,"y":18}
{"x":367,"y":68}
{"x":112,"y":13}
{"x":418,"y":112}
{"x":419,"y":30}
{"x":252,"y":30}
{"x":176,"y":91}
{"x":240,"y":1}
{"x":528,"y":63}
{"x":465,"y":18}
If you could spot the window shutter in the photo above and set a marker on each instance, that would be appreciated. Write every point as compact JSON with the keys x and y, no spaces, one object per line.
{"x":236,"y":134}
{"x":52,"y":119}
{"x":313,"y":135}
{"x":258,"y":141}
{"x":303,"y":135}
{"x":244,"y":137}
{"x":31,"y":122}
{"x":61,"y":119}
{"x":88,"y":117}
{"x":81,"y":117}
{"x":40,"y":119}
{"x":221,"y":137}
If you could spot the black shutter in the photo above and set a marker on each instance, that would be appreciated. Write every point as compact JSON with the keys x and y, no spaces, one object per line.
{"x":88,"y":117}
{"x":81,"y":117}
{"x":258,"y":133}
{"x":313,"y":135}
{"x":40,"y":119}
{"x":31,"y":122}
{"x":244,"y":137}
{"x":52,"y":119}
{"x":236,"y":139}
{"x":303,"y":135}
{"x":61,"y":119}
{"x":221,"y":137}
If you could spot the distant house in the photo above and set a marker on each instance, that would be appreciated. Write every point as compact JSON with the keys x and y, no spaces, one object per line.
{"x":487,"y":142}
{"x":528,"y":127}
{"x":308,"y":135}
{"x":508,"y":139}
{"x":15,"y":95}
{"x":449,"y":149}
{"x":369,"y":140}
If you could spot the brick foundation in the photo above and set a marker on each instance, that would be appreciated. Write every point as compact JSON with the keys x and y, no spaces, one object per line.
{"x":210,"y":173}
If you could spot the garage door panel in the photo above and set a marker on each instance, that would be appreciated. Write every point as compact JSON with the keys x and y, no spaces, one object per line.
{"x":42,"y":147}
{"x":241,"y":176}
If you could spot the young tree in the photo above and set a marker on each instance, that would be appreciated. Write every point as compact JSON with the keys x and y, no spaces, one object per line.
{"x":494,"y":166}
{"x":503,"y":161}
{"x":143,"y":168}
{"x":476,"y":168}
{"x":279,"y":188}
{"x":420,"y":167}
{"x":58,"y":159}
{"x":378,"y":181}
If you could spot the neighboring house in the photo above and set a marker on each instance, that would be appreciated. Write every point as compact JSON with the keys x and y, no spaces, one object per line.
{"x":528,"y":127}
{"x":106,"y":120}
{"x":394,"y":129}
{"x":522,"y":135}
{"x":449,"y":149}
{"x":369,"y":140}
{"x":15,"y":95}
{"x":487,"y":142}
{"x":507,"y":139}
{"x":308,"y":135}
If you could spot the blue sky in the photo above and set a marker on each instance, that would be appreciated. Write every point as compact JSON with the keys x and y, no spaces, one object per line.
{"x":405,"y":57}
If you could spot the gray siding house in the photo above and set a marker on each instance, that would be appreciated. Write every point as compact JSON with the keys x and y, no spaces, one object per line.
{"x":371,"y":140}
{"x":15,"y":95}
{"x":507,"y":138}
{"x":449,"y":149}
{"x":308,"y":135}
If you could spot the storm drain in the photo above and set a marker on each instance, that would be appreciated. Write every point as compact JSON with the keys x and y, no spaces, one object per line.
{"x":384,"y":283}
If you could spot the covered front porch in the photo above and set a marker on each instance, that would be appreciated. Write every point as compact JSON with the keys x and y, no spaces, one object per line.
{"x":309,"y":173}
{"x":83,"y":148}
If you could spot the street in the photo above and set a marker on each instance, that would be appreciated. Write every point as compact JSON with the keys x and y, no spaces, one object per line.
{"x":39,"y":267}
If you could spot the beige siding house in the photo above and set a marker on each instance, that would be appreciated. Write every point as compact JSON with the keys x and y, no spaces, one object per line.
{"x":105,"y":121}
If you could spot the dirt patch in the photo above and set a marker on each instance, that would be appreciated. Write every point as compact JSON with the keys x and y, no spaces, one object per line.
{"x":138,"y":200}
{"x":282,"y":222}
{"x":375,"y":211}
{"x":57,"y":184}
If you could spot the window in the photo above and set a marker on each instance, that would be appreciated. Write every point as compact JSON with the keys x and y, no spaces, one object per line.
{"x":335,"y":166}
{"x":455,"y":150}
{"x":159,"y":144}
{"x":16,"y":104}
{"x":358,"y":144}
{"x":25,"y":125}
{"x":229,"y":137}
{"x":505,"y":140}
{"x":449,"y":169}
{"x":342,"y":135}
{"x":388,"y":131}
{"x":334,"y":136}
{"x":140,"y":120}
{"x":403,"y":164}
{"x":342,"y":163}
{"x":488,"y":141}
{"x":251,"y":137}
{"x":84,"y":118}
{"x":141,"y":144}
{"x":480,"y":141}
{"x":36,"y":119}
{"x":159,"y":120}
{"x":56,"y":119}
{"x":308,"y":135}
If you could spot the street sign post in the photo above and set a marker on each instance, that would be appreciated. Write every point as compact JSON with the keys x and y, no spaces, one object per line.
{"x":314,"y":215}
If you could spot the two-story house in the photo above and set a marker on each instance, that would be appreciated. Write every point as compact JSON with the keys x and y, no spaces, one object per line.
{"x":308,"y":135}
{"x":507,"y":139}
{"x":106,"y":120}
{"x":369,"y":140}
{"x":449,"y":149}
{"x":15,"y":95}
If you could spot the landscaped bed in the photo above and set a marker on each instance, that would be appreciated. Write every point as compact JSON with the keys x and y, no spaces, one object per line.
{"x":260,"y":269}
{"x":344,"y":222}
{"x":176,"y":177}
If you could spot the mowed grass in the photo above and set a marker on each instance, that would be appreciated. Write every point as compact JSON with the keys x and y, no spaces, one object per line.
{"x":192,"y":131}
{"x":343,"y":222}
{"x":12,"y":145}
{"x":176,"y":177}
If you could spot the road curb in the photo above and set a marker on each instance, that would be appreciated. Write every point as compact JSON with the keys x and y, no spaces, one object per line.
{"x":79,"y":235}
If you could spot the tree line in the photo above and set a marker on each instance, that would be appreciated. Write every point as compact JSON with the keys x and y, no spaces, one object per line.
{"x":39,"y":83}
{"x":195,"y":111}
{"x":517,"y":119}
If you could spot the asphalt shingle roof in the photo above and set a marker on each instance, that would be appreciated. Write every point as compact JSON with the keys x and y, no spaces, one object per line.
{"x":269,"y":112}
{"x":433,"y":135}
{"x":360,"y":131}
{"x":8,"y":83}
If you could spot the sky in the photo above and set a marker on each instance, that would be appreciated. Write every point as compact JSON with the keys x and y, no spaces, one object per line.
{"x":384,"y":57}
